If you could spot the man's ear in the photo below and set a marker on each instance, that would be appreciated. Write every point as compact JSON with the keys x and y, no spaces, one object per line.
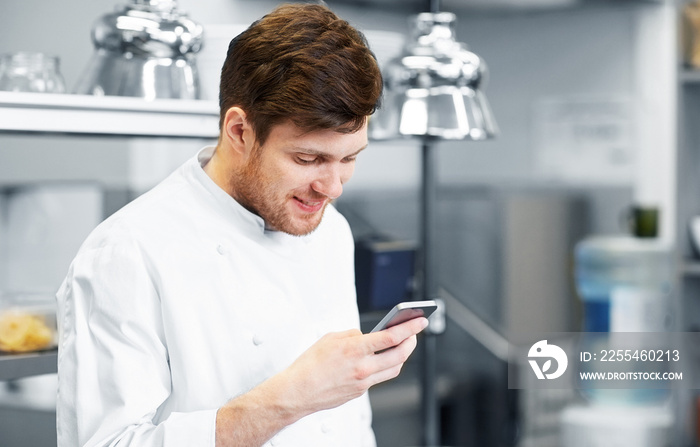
{"x":238,"y":131}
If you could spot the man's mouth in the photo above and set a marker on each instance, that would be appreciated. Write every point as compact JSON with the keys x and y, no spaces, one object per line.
{"x":309,"y":206}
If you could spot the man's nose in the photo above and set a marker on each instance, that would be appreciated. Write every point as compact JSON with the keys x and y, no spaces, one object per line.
{"x":330,"y":181}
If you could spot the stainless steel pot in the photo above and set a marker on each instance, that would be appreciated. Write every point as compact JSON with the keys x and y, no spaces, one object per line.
{"x":145,"y":49}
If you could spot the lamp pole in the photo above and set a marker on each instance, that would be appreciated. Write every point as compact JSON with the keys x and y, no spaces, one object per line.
{"x":455,"y":110}
{"x":428,"y":290}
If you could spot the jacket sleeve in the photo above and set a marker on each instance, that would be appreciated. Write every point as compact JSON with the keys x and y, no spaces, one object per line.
{"x":113,"y":366}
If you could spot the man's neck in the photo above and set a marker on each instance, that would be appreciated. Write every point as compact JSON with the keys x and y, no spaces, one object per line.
{"x":215,"y":170}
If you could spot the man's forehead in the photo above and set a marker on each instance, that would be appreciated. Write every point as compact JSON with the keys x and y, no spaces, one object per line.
{"x":320,"y":141}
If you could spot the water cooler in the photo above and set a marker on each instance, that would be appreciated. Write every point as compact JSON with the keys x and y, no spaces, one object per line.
{"x":624,"y":283}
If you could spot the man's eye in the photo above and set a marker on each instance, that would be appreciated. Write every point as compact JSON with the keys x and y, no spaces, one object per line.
{"x":305,"y":161}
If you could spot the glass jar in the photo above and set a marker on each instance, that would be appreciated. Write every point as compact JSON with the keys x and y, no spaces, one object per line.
{"x":27,"y":322}
{"x":690,"y":33}
{"x":30,"y":72}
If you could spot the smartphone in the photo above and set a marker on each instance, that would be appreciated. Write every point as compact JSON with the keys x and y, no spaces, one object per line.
{"x":406,"y":311}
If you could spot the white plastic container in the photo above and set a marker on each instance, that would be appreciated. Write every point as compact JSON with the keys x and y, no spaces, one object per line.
{"x":27,"y":322}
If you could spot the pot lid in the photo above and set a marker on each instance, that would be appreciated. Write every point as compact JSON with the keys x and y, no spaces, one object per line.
{"x":148,"y":28}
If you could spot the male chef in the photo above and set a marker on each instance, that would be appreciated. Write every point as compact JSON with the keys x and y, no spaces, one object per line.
{"x":218,"y":309}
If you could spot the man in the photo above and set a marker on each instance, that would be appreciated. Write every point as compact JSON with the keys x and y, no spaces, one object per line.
{"x":218,"y":309}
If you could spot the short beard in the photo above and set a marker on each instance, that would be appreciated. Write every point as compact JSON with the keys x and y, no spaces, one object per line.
{"x":254,"y":191}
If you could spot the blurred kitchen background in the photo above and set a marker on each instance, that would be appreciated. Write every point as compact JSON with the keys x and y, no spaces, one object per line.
{"x":596,"y":111}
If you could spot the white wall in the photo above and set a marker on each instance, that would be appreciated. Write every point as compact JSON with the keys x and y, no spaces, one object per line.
{"x":532,"y":57}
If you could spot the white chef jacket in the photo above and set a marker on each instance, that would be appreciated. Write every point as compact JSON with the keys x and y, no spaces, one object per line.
{"x":183,"y":300}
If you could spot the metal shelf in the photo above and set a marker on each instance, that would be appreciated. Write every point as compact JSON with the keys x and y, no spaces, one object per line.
{"x":15,"y":366}
{"x":37,"y":113}
{"x":107,"y":115}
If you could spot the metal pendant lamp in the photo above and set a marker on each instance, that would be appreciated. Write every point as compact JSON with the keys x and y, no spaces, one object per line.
{"x":435,"y":87}
{"x":433,"y":91}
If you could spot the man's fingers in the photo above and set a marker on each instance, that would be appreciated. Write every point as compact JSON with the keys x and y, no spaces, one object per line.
{"x":387,"y":374}
{"x":396,"y":355}
{"x":393,"y":336}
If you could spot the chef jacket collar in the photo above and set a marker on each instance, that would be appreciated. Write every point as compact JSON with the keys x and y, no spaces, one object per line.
{"x":254,"y":222}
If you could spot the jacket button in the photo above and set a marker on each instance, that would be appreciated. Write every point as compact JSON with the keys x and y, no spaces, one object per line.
{"x":221,"y":249}
{"x":257,"y":340}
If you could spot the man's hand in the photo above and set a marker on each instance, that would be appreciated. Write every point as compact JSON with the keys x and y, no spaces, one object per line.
{"x":344,"y":365}
{"x":339,"y":367}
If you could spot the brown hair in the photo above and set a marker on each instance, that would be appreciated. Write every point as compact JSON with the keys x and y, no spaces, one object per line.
{"x":301,"y":63}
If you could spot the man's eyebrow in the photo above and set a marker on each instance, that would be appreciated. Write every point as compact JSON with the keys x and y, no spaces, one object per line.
{"x":359,"y":150}
{"x":318,"y":153}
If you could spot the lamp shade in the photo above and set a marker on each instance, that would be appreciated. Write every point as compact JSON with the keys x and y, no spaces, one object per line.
{"x":434,"y":88}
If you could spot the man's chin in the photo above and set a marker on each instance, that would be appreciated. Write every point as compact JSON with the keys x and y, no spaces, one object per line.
{"x":300,"y":225}
{"x":304,"y":228}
